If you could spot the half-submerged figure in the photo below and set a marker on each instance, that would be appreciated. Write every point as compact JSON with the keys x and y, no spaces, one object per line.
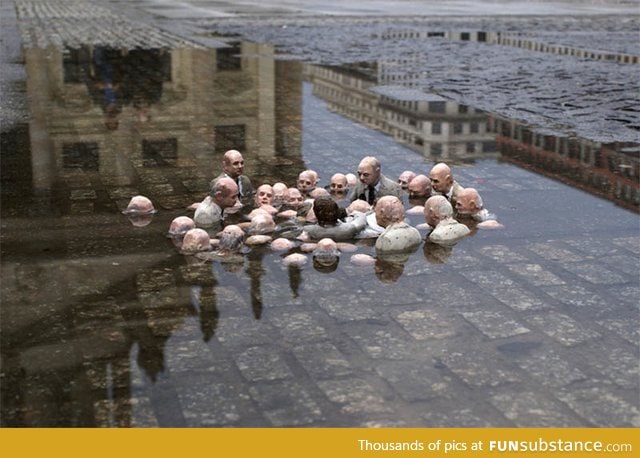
{"x":140,"y":211}
{"x":329,"y":224}
{"x":469,"y":205}
{"x":398,"y":236}
{"x":233,"y":167}
{"x":223,"y":194}
{"x":442,"y":182}
{"x":178,"y":228}
{"x":373,"y":184}
{"x":439,"y":214}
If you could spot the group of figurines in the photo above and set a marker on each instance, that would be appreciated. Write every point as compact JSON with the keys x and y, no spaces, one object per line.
{"x":325,"y":221}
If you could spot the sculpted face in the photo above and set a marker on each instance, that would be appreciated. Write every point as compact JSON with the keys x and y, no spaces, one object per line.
{"x":441,"y":179}
{"x":295,"y":199}
{"x":420,"y":186}
{"x":196,"y":240}
{"x":306,"y":181}
{"x":338,"y":183}
{"x":227,"y":196}
{"x":280,"y":192}
{"x":233,"y":163}
{"x":264,"y":195}
{"x":466,"y":203}
{"x":405,"y":178}
{"x":368,"y":173}
{"x":389,"y":210}
{"x":431,"y":215}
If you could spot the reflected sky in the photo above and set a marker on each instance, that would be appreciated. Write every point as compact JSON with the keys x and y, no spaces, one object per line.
{"x":105,"y":324}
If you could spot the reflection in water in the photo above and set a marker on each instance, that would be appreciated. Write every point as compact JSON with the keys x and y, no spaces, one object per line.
{"x":98,"y":314}
{"x":611,"y":171}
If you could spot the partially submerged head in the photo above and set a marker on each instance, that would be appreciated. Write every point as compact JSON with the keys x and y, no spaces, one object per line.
{"x":420,"y":186}
{"x":225,"y":192}
{"x":389,"y":210}
{"x":468,"y":201}
{"x":405,"y":178}
{"x":369,"y":170}
{"x":338,"y":183}
{"x":358,"y":205}
{"x":139,"y":205}
{"x":437,"y":208}
{"x":231,"y":239}
{"x":326,"y":254}
{"x":441,"y":178}
{"x":264,"y":195}
{"x":180,"y":226}
{"x":307,"y":181}
{"x":294,"y":198}
{"x":326,"y":210}
{"x":262,"y":223}
{"x":195,"y":241}
{"x":233,"y":163}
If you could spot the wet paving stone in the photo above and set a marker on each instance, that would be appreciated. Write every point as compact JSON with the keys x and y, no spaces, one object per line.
{"x":348,"y":308}
{"x":355,"y":396}
{"x":621,"y":366}
{"x":447,"y":414}
{"x":263,"y":363}
{"x":549,"y":368}
{"x":286,"y":404}
{"x":530,"y":410}
{"x":299,"y":327}
{"x":536,"y":274}
{"x":494,"y":324}
{"x":322,"y":360}
{"x":563,"y":328}
{"x":552,"y":252}
{"x":428,"y":324}
{"x":601,"y":407}
{"x":518,"y":299}
{"x":383,"y":341}
{"x":238,"y":332}
{"x":415,"y":382}
{"x":595,"y":273}
{"x":577,"y":296}
{"x":480,"y":369}
{"x":502,"y":254}
{"x":626,"y":329}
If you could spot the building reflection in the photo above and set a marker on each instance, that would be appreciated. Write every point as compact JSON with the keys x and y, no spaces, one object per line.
{"x":92,"y":300}
{"x":372,"y":95}
{"x":611,"y":171}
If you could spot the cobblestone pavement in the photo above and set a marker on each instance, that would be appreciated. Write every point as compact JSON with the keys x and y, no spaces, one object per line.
{"x":533,"y":326}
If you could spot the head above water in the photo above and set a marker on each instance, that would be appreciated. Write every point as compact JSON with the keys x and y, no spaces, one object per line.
{"x":307,"y":181}
{"x":231,"y":239}
{"x":195,"y":241}
{"x":180,"y":226}
{"x":389,"y":210}
{"x":420,"y":186}
{"x":264,"y":195}
{"x":233,"y":163}
{"x":225,"y":192}
{"x":369,"y":170}
{"x":405,"y":178}
{"x":338,"y":183}
{"x":326,"y":210}
{"x":468,"y":201}
{"x":294,"y":198}
{"x":437,"y":208}
{"x":441,"y":178}
{"x":139,"y":205}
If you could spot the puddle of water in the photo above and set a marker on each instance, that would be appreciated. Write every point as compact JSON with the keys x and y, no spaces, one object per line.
{"x":104,"y":324}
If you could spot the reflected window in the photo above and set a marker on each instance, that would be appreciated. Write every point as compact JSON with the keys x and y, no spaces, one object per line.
{"x":436,"y":128}
{"x":75,"y":64}
{"x":83,"y":155}
{"x":229,"y":58}
{"x":229,"y":137}
{"x":437,"y":107}
{"x":464,"y":36}
{"x":462,"y":109}
{"x":482,"y":36}
{"x":474,"y":128}
{"x":436,"y":149}
{"x":457,"y":127}
{"x":160,"y":152}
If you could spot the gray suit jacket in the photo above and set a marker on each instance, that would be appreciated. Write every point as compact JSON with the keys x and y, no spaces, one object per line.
{"x":387,"y":188}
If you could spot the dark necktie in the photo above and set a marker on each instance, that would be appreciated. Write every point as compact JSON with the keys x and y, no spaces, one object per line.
{"x":372,"y":194}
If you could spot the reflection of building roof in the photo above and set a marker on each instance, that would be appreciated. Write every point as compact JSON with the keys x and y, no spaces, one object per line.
{"x":406,"y":94}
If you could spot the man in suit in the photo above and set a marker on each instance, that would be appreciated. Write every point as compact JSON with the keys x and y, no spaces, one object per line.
{"x":443,"y":183}
{"x":232,"y":167}
{"x":372,"y":183}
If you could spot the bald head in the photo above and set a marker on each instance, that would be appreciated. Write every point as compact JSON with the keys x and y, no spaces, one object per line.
{"x":405,"y":178}
{"x":436,"y":209}
{"x":389,"y":210}
{"x":338,"y":182}
{"x":231,"y":239}
{"x":233,"y":163}
{"x":420,"y":186}
{"x":225,"y":192}
{"x":468,"y":201}
{"x":307,"y":181}
{"x":369,"y":170}
{"x":441,"y":178}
